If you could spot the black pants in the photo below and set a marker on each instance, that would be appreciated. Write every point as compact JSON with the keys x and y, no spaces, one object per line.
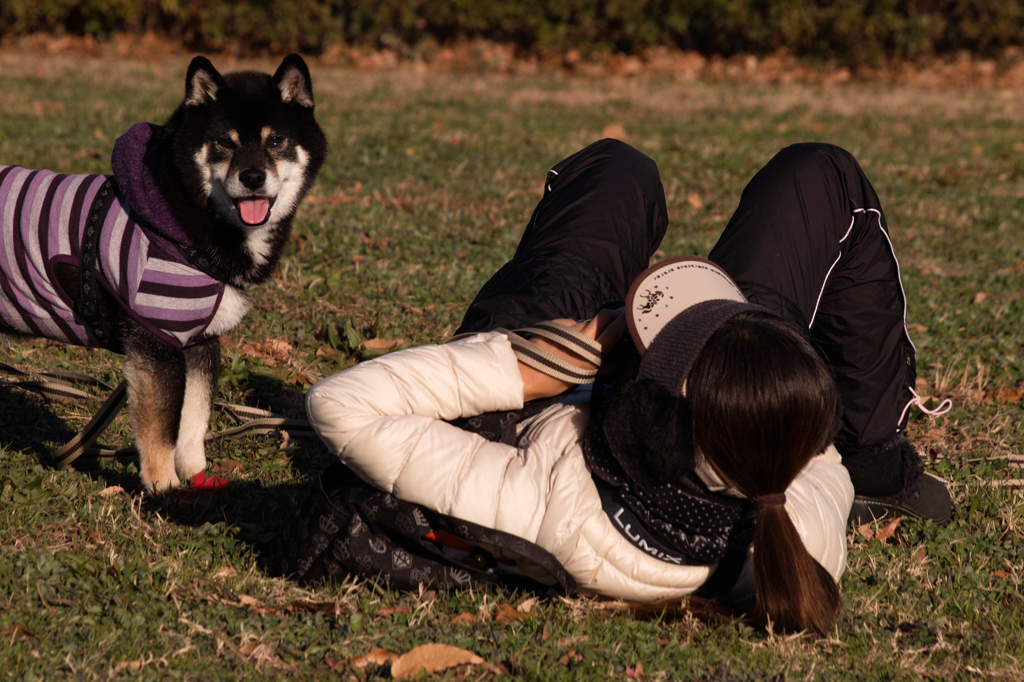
{"x":601,"y":219}
{"x":808,"y":241}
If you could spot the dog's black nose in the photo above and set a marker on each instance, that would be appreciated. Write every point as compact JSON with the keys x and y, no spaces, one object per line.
{"x":253,"y":178}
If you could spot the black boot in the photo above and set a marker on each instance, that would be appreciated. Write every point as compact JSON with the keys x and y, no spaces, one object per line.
{"x":889,"y":480}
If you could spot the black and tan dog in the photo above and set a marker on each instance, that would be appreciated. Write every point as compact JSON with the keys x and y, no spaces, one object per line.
{"x":153,"y":261}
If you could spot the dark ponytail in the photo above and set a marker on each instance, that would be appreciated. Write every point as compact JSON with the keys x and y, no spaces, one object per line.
{"x":763,"y":405}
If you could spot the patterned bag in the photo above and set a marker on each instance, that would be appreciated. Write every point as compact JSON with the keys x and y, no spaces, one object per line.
{"x":353,"y":529}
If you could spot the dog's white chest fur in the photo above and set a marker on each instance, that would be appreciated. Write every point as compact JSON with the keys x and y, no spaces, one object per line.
{"x":234,"y":304}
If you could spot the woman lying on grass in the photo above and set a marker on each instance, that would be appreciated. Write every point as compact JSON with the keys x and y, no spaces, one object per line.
{"x":704,"y":463}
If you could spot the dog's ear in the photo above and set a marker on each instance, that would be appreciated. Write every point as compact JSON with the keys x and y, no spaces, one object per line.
{"x":202,"y":83}
{"x":292,"y":78}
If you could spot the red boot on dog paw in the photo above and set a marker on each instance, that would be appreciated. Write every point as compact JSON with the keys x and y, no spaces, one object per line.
{"x":203,"y":482}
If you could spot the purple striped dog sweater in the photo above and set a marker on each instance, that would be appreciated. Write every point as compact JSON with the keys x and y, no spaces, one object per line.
{"x":43,"y":219}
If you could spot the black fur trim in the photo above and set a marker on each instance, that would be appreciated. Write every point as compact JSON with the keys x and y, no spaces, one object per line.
{"x":681,"y":513}
{"x":913,"y":469}
{"x":650,"y":432}
{"x":887,"y":470}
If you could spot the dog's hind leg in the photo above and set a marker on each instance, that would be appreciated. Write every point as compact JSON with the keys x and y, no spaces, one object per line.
{"x":202,"y":367}
{"x":156,"y":393}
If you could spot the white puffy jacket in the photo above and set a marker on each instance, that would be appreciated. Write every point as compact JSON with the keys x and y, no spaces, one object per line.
{"x":384,"y":419}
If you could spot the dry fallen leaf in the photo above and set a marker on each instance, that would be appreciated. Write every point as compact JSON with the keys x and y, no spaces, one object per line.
{"x":506,"y":613}
{"x":527,"y":605}
{"x":872,"y":531}
{"x":261,"y":654}
{"x":917,"y":328}
{"x":888,"y":530}
{"x":1006,"y":395}
{"x":464,"y":619}
{"x":920,"y":554}
{"x":227,"y":466}
{"x":246,"y":600}
{"x":979,"y":297}
{"x":128,"y":665}
{"x":16,"y":631}
{"x":566,"y":641}
{"x":376,"y":657}
{"x":224,"y":572}
{"x":278,"y":347}
{"x":695,"y":201}
{"x":270,"y":351}
{"x":637,"y":672}
{"x":382,"y":344}
{"x":570,"y":656}
{"x":249,"y":647}
{"x":431,"y":658}
{"x":388,"y":610}
{"x":111,"y":491}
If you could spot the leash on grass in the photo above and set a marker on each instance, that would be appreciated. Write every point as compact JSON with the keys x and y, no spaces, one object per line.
{"x":59,"y":386}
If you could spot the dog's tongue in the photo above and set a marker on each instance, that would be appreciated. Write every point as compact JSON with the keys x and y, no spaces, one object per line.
{"x":254,"y":211}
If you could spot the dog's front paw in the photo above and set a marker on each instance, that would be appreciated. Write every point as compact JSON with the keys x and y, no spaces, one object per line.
{"x":158,"y":485}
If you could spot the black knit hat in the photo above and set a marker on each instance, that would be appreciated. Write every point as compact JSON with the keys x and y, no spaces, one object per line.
{"x":673,"y":308}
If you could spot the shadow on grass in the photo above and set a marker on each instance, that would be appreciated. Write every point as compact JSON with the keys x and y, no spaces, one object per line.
{"x":28,"y":423}
{"x":254,"y":512}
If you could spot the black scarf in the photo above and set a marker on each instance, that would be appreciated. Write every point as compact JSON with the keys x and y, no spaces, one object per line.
{"x":682,"y":514}
{"x":679,"y":522}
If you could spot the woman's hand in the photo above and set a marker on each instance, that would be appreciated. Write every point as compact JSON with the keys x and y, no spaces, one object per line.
{"x":607,"y":328}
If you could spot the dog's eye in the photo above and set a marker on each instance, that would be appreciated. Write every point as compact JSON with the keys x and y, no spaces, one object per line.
{"x":274,"y":141}
{"x":226,"y":143}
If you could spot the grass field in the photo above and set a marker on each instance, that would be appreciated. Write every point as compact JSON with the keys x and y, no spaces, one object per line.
{"x":430,"y":180}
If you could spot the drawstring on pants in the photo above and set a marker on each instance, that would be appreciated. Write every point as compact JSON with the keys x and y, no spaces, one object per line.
{"x":944,"y":407}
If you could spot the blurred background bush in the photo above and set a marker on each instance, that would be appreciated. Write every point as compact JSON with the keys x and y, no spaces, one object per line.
{"x":849,"y":32}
